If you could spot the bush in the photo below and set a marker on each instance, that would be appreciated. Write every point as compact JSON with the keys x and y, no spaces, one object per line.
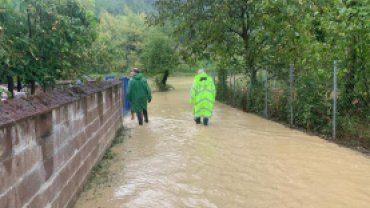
{"x":160,"y":86}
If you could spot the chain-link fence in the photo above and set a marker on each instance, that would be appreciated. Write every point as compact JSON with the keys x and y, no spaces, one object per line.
{"x":321,"y":100}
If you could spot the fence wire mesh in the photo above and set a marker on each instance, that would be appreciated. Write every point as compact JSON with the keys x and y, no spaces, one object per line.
{"x":320,"y":100}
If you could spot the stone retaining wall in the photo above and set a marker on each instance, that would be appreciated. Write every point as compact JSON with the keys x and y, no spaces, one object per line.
{"x":49,"y":143}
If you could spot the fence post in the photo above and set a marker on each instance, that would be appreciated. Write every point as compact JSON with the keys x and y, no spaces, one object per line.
{"x":223,"y":86}
{"x":335,"y":100}
{"x":291,"y":95}
{"x":230,"y":86}
{"x":234,"y":91}
{"x":214,"y":75}
{"x":266,"y":96}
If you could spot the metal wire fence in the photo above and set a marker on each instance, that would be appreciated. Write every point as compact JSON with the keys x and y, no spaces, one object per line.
{"x":318,"y":101}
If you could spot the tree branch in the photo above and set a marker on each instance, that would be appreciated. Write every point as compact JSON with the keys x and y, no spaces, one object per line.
{"x":234,"y":31}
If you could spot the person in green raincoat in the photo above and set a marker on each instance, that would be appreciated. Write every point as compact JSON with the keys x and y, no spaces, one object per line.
{"x":139,"y":95}
{"x":202,"y":95}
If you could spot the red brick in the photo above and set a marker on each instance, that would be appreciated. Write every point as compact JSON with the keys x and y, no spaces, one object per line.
{"x":94,"y":113}
{"x":84,"y":153}
{"x":63,"y":113}
{"x":70,"y":150}
{"x":20,"y":164}
{"x":56,"y":116}
{"x":77,"y":125}
{"x":99,"y":98}
{"x":79,"y":106}
{"x":7,"y":174}
{"x":89,"y":118}
{"x":39,"y":201}
{"x":71,"y":110}
{"x":58,"y":159}
{"x":93,"y":127}
{"x":26,"y":133}
{"x":82,"y":172}
{"x":65,"y":194}
{"x":93,"y":157}
{"x":64,"y":174}
{"x":58,"y":139}
{"x":93,"y":101}
{"x":30,"y":185}
{"x":9,"y":200}
{"x":6,"y":144}
{"x":49,"y":168}
{"x":75,"y":163}
{"x":54,"y":188}
{"x":31,"y":157}
{"x":65,"y":130}
{"x":78,"y":141}
{"x":47,"y":146}
{"x":84,"y":137}
{"x":89,"y":102}
{"x":108,"y":114}
{"x":44,"y":125}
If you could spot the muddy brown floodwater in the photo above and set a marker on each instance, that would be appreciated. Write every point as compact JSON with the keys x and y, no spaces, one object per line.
{"x":239,"y":160}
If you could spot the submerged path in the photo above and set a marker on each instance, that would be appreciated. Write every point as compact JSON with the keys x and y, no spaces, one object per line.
{"x":239,"y":160}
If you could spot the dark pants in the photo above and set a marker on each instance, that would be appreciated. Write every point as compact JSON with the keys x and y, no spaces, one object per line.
{"x":198,"y":121}
{"x":140,"y":117}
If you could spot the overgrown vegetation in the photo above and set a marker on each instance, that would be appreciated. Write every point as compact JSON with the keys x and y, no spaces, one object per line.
{"x":43,"y":40}
{"x":100,"y":173}
{"x":311,"y":35}
{"x":160,"y":86}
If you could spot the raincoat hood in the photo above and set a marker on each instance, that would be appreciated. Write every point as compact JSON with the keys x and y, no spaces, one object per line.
{"x":138,"y":76}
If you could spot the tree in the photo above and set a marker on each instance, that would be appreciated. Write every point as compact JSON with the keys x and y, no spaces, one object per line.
{"x":217,"y":28}
{"x":45,"y":40}
{"x":159,"y":56}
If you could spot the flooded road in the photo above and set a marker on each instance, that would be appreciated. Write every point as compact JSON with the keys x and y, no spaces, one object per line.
{"x":239,"y":160}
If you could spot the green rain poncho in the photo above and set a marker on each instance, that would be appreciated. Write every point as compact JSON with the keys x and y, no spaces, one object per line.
{"x":202,"y":95}
{"x":138,"y":93}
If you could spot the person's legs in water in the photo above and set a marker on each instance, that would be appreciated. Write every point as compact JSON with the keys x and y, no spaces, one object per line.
{"x":132,"y":116}
{"x":146,"y":118}
{"x":205,"y":121}
{"x":140,"y":117}
{"x":197,"y":120}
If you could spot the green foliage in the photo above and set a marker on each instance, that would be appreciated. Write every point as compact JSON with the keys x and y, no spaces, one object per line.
{"x":126,"y":42}
{"x":100,"y":173}
{"x":313,"y":108}
{"x":45,"y":40}
{"x":108,"y":155}
{"x":116,"y":7}
{"x":221,"y":85}
{"x":308,"y":34}
{"x":159,"y":84}
{"x":9,"y":94}
{"x":159,"y":54}
{"x":119,"y":137}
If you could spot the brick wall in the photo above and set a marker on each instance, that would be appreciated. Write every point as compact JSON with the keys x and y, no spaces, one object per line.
{"x":46,"y":155}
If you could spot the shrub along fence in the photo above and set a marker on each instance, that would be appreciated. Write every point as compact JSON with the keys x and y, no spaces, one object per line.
{"x":318,"y":102}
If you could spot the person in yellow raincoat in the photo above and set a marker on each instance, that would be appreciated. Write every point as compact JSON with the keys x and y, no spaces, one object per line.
{"x":202,"y":95}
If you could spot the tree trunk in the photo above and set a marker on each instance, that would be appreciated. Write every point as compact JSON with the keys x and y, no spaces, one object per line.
{"x":19,"y":84}
{"x":253,"y":76}
{"x":3,"y":75}
{"x":33,"y":82}
{"x":11,"y":85}
{"x":33,"y":87}
{"x":165,"y":77}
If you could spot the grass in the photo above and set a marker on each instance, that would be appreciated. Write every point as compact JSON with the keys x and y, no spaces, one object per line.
{"x":100,"y":173}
